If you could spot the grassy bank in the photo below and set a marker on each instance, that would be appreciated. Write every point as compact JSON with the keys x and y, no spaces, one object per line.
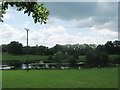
{"x":10,"y":57}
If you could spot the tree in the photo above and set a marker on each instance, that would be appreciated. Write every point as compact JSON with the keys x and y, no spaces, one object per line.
{"x":116,"y":47}
{"x":15,"y":48}
{"x":101,"y":48}
{"x":38,"y":11}
{"x":33,"y":50}
{"x":96,"y":58}
{"x":116,"y":60}
{"x":4,"y":48}
{"x":116,"y":43}
{"x":43,"y":50}
{"x":60,"y":58}
{"x":50,"y":58}
{"x":57,"y":48}
{"x":72,"y":61}
{"x":109,"y":46}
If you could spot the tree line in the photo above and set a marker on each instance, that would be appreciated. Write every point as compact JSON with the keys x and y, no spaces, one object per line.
{"x":96,"y":55}
{"x":15,"y":47}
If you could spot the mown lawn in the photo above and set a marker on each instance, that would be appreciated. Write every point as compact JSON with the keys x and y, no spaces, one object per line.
{"x":84,"y":78}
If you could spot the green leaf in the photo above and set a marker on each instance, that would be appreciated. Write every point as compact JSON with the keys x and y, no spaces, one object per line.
{"x":39,"y":12}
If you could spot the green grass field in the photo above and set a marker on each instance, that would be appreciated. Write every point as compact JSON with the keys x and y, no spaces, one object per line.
{"x":9,"y":57}
{"x":84,"y":78}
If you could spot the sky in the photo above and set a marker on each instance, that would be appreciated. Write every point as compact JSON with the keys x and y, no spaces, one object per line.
{"x":68,"y":23}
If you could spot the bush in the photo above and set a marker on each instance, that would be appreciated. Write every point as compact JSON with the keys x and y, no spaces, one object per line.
{"x":72,"y":61}
{"x":114,"y":59}
{"x":97,"y":59}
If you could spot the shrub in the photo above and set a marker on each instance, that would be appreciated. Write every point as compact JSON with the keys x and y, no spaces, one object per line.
{"x":96,"y":58}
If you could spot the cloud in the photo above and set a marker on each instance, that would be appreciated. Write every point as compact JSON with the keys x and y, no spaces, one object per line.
{"x":105,"y":34}
{"x":10,"y":33}
{"x":50,"y":36}
{"x":98,"y":17}
{"x":85,"y":14}
{"x":54,"y":35}
{"x":86,"y":22}
{"x":68,"y":10}
{"x":26,"y":24}
{"x":7,"y":16}
{"x":91,"y":22}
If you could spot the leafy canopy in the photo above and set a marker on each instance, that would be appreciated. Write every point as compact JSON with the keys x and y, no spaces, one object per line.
{"x":38,"y":12}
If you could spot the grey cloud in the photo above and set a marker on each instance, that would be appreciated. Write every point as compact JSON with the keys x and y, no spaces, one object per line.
{"x":101,"y":12}
{"x":70,"y":10}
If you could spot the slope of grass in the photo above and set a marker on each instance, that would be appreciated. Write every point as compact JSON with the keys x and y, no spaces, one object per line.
{"x":9,"y":57}
{"x":113,"y":57}
{"x":82,"y":58}
{"x":86,"y":78}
